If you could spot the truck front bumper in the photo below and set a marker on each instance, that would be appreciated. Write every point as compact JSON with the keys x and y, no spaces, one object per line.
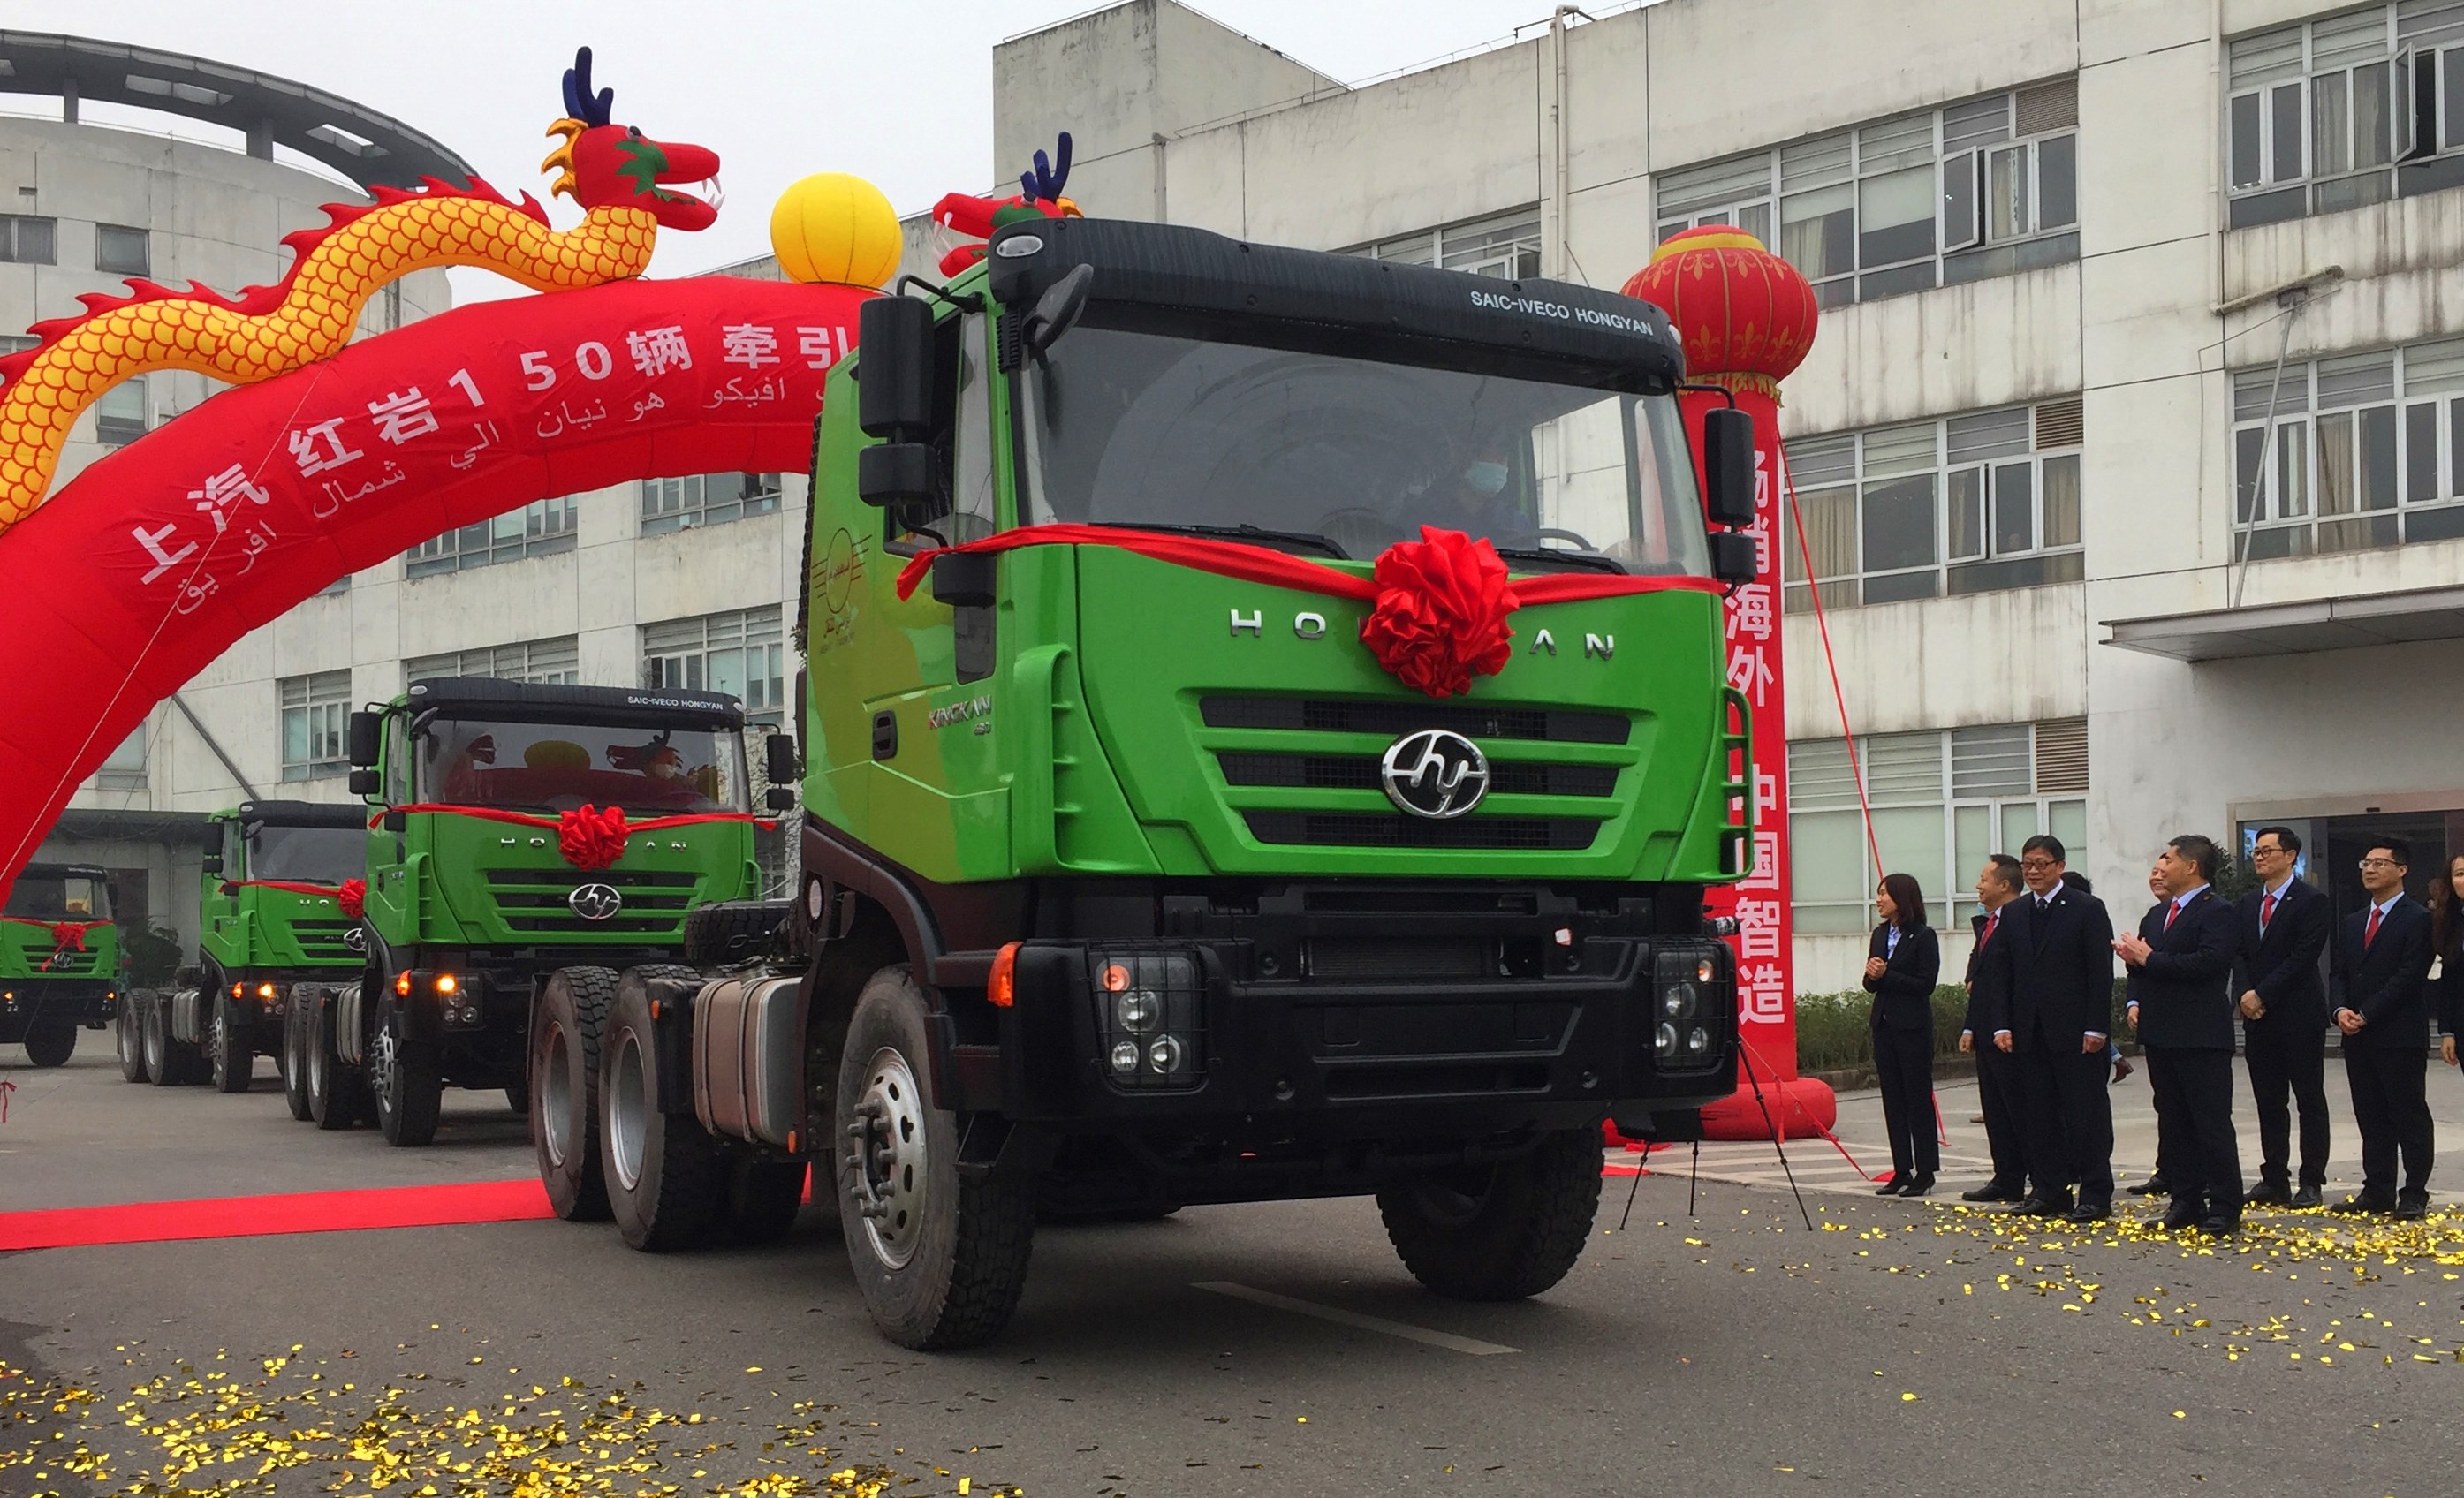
{"x":24,"y":1002}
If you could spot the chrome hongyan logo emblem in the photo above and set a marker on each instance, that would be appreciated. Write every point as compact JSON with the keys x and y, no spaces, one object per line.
{"x":355,"y":939}
{"x":595,"y":901}
{"x":1434,"y":773}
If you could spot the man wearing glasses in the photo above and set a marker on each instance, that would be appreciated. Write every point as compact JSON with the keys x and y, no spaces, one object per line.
{"x":2052,"y":985}
{"x":2382,"y":967}
{"x":2282,"y":931}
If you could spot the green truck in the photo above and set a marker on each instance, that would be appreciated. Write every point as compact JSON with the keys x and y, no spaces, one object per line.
{"x":1128,"y":883}
{"x":272,"y":915}
{"x":60,"y":959}
{"x":472,"y":902}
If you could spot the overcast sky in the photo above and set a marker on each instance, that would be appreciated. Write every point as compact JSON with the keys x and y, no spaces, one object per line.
{"x":899,"y":93}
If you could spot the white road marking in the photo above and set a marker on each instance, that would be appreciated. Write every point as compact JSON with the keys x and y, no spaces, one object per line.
{"x":1353,"y":1318}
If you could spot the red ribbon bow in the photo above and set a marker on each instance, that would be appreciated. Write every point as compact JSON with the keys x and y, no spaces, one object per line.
{"x":351,"y":894}
{"x":589,"y":837}
{"x":1438,"y":604}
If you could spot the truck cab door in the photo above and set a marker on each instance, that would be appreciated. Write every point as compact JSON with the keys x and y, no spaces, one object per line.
{"x":224,"y":938}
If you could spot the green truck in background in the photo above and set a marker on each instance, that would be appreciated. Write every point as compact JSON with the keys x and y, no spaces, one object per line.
{"x":467,"y":917}
{"x":256,"y":943}
{"x":60,"y":959}
{"x":1126,"y":885}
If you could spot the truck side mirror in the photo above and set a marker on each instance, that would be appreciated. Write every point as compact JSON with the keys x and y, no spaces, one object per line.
{"x":396,"y":820}
{"x":965,"y":580}
{"x":1728,"y":467}
{"x":1058,"y":310}
{"x":1735,"y":558}
{"x":213,"y":862}
{"x":364,"y":782}
{"x":778,"y":798}
{"x":894,"y":472}
{"x":895,"y":367}
{"x":779,"y":760}
{"x":365,"y":731}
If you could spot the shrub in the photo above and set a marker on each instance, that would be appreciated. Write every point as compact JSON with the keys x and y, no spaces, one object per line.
{"x":1835,"y":1031}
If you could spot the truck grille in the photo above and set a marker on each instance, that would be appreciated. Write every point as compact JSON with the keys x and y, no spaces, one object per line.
{"x":534,"y":901}
{"x":1349,"y":829}
{"x":1359,"y":772}
{"x":71,"y":964}
{"x":322,"y":941}
{"x":1391,"y":719}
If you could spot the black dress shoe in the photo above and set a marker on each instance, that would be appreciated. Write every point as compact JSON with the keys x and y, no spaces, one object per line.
{"x":2152,"y":1186}
{"x":2091,"y":1212}
{"x":2270,"y":1194}
{"x":2221,"y":1225}
{"x":2040,"y":1206}
{"x":1919,"y":1184}
{"x":2306,"y":1197}
{"x":2355,"y":1207}
{"x":2181,"y":1219}
{"x":2411,"y":1208}
{"x":1893,"y":1186}
{"x":1993,"y":1191}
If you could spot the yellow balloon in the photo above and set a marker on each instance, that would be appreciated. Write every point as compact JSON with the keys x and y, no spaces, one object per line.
{"x":832,"y":227}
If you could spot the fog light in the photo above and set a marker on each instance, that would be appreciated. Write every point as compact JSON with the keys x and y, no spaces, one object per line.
{"x":1698,"y":1040}
{"x":1138,"y":1009}
{"x":1164,"y":1055}
{"x":1677,"y":1001}
{"x":446,"y":983}
{"x":1666,"y":1040}
{"x":1115,"y":977}
{"x":265,"y":990}
{"x":1125,"y":1058}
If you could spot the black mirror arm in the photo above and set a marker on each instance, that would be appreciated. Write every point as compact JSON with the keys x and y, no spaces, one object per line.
{"x":1720,"y":390}
{"x":964,"y":302}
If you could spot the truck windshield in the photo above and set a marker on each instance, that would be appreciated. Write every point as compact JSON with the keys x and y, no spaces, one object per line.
{"x":41,"y":896}
{"x":1344,"y":456}
{"x":307,"y":855}
{"x":558,"y":766}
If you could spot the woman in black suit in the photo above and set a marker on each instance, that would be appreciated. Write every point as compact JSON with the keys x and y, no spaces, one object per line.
{"x":1902,"y":965}
{"x":2447,"y":944}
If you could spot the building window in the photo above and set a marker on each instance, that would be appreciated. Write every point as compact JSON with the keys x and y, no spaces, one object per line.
{"x":1507,"y":247}
{"x":539,"y":529}
{"x":742,"y":654}
{"x":18,"y":344}
{"x":124,"y":769}
{"x":1984,"y":187}
{"x":119,"y":414}
{"x":314,"y":711}
{"x":2345,"y":111}
{"x":547,"y":662}
{"x":675,"y":504}
{"x":1970,"y":504}
{"x":121,"y":251}
{"x":2367,"y":450}
{"x":1943,"y":802}
{"x":27,"y":240}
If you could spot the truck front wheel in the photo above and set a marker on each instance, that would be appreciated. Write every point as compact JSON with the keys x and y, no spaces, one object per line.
{"x":665,"y":1176}
{"x":564,"y":1090}
{"x":227,"y":1046}
{"x":1498,"y":1232}
{"x":409,"y":1092}
{"x":335,"y":1092}
{"x":128,"y":1033}
{"x":939,"y":1254}
{"x":51,"y":1043}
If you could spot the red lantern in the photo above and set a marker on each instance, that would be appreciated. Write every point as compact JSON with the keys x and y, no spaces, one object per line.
{"x":1746,"y":316}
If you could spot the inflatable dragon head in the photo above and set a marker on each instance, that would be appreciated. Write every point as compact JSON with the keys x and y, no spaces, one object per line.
{"x":603,"y":165}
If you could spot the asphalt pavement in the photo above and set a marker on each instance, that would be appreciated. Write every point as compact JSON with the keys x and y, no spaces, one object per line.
{"x":1903,"y":1347}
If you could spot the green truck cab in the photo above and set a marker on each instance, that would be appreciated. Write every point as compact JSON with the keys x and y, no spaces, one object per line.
{"x":467,"y":912}
{"x":256,"y":943}
{"x":1126,"y":885}
{"x":60,"y":959}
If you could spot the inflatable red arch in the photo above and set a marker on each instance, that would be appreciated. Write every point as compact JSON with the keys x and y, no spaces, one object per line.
{"x":129,"y":580}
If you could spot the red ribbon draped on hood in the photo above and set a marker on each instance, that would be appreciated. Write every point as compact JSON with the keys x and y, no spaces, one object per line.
{"x":351,"y":894}
{"x":67,"y":936}
{"x":1437,"y":605}
{"x":589,"y":837}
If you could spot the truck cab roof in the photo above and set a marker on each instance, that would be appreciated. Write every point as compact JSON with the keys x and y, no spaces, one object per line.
{"x":297,"y":813}
{"x":521,"y":701}
{"x":66,"y":872}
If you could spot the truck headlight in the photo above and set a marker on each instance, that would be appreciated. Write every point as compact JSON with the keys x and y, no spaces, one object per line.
{"x":1679,"y":1001}
{"x":1691,"y":993}
{"x":1150,"y":1016}
{"x":1138,"y":1010}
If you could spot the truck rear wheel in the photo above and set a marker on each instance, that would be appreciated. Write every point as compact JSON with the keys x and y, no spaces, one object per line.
{"x":940,"y":1255}
{"x":228,"y":1048}
{"x":564,"y":1090}
{"x":128,"y":1035}
{"x":1503,"y":1231}
{"x":335,"y":1092}
{"x":162,"y":1055}
{"x":665,"y":1176}
{"x":294,"y":1053}
{"x":51,"y":1043}
{"x":408,"y":1093}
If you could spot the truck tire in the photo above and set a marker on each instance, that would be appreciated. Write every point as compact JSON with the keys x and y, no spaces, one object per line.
{"x":128,"y":1037}
{"x":231,"y":1056}
{"x":408,"y":1093}
{"x":763,"y":1200}
{"x":51,"y":1043}
{"x":564,"y":1090}
{"x":940,"y":1255}
{"x":1498,"y":1232}
{"x":295,"y":1052}
{"x":162,"y":1053}
{"x":665,"y":1176}
{"x":336,"y":1094}
{"x":731,"y":930}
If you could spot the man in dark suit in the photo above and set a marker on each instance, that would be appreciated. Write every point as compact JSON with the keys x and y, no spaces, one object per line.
{"x":1997,"y":1086}
{"x":2181,"y":966}
{"x":2381,"y":965}
{"x":2280,"y":932}
{"x":2052,"y":988}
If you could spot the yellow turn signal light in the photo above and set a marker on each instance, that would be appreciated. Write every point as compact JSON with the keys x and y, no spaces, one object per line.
{"x":445,"y":983}
{"x":265,"y":990}
{"x":402,"y":986}
{"x":1001,"y":987}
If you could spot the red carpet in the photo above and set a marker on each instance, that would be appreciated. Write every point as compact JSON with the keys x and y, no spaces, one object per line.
{"x":298,"y":1212}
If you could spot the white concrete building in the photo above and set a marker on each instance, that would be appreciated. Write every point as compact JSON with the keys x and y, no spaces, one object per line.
{"x":2061,"y":249}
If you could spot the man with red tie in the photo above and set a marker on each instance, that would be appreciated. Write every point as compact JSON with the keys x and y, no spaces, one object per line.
{"x":2382,"y":1005}
{"x":2281,"y":931}
{"x":1997,"y":1082}
{"x":2180,"y":963}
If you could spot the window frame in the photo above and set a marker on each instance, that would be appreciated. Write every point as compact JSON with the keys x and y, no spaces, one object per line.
{"x":323,"y":708}
{"x":552,"y":662}
{"x":694,"y":508}
{"x":14,"y":234}
{"x":550,"y":527}
{"x":1455,"y":247}
{"x":144,"y":265}
{"x":116,"y":429}
{"x":2265,"y":530}
{"x":2418,"y":76}
{"x":759,"y":636}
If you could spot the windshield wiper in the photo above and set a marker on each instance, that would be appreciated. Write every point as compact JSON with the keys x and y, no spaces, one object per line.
{"x":1589,"y":561}
{"x":1244,"y":531}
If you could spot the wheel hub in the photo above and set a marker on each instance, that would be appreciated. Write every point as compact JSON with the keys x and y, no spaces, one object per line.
{"x":886,"y":1161}
{"x":629,"y":1107}
{"x":382,"y":1061}
{"x":555,"y":1093}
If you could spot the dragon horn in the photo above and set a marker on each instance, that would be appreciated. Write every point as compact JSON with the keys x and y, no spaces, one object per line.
{"x":1061,"y":167}
{"x":579,"y":102}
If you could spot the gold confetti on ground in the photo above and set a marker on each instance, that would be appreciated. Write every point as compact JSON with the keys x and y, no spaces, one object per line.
{"x":237,"y":1427}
